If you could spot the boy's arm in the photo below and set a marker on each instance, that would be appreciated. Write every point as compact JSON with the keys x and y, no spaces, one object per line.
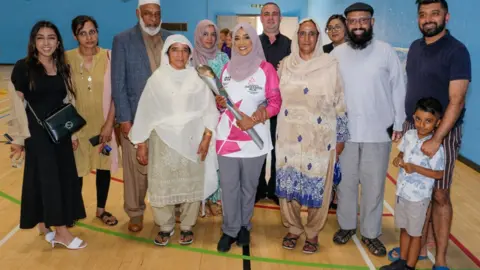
{"x":427,"y":172}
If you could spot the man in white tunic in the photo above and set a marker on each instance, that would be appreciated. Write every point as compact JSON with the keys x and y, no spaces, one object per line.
{"x":375,"y":96}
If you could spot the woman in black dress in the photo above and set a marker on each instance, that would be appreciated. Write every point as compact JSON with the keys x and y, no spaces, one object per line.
{"x":51,"y":193}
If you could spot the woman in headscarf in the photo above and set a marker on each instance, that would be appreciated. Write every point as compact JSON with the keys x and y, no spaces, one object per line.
{"x":250,"y":82}
{"x":90,"y":66}
{"x":177,"y":115}
{"x":311,"y":131}
{"x":206,"y":53}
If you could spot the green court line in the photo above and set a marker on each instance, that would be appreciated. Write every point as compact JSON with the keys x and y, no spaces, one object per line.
{"x":210,"y":252}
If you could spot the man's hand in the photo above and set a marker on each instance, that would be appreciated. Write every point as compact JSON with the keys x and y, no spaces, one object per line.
{"x":142,"y":154}
{"x":125,"y":128}
{"x":430,"y":147}
{"x":396,"y":136}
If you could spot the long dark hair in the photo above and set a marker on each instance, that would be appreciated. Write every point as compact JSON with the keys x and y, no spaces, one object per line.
{"x":34,"y":65}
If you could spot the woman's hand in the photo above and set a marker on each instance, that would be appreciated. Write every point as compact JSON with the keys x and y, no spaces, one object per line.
{"x":106,"y":133}
{"x":246,"y":123}
{"x":75,"y":144}
{"x":142,"y":154}
{"x":221,"y":101}
{"x":261,"y":115}
{"x":339,"y":149}
{"x":203,"y":147}
{"x":16,"y":151}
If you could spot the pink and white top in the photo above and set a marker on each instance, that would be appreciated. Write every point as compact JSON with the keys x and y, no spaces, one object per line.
{"x":247,"y":95}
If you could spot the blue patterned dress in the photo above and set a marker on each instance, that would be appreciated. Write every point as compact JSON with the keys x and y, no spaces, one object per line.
{"x":310,"y":123}
{"x":217,"y":65}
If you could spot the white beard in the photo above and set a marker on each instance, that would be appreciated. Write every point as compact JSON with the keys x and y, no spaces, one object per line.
{"x":152,"y":31}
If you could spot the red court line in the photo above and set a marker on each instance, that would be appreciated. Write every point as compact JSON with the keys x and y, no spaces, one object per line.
{"x":332,"y":212}
{"x":452,"y":238}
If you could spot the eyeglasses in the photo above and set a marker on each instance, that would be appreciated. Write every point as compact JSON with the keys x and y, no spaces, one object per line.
{"x":363,"y":20}
{"x":335,"y":28}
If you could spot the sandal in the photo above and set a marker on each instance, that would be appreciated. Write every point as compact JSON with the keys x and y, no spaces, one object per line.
{"x":375,"y":246}
{"x":105,"y":217}
{"x":309,"y":247}
{"x":395,"y":257}
{"x":290,"y":242}
{"x":76,"y":243}
{"x":215,"y":209}
{"x":341,"y":237}
{"x":185,"y":235}
{"x":164,"y":238}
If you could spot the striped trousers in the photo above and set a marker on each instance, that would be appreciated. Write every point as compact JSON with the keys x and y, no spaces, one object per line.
{"x":451,"y":143}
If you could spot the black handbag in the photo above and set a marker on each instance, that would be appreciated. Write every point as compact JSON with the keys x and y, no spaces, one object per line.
{"x":61,"y":123}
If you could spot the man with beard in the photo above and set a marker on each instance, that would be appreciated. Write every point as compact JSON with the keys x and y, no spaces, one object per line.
{"x":438,"y":65}
{"x":375,"y":96}
{"x":276,"y":47}
{"x":136,"y":53}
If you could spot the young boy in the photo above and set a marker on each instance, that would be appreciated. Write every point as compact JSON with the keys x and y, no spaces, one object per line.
{"x":416,"y":181}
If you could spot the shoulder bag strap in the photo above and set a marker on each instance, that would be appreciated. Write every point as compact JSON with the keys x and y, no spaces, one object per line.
{"x":34,"y":114}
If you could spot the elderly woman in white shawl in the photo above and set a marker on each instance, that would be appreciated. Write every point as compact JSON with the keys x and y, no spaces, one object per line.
{"x":311,"y":130}
{"x":177,"y":115}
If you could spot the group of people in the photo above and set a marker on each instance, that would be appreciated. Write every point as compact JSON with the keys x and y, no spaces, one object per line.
{"x":320,"y":110}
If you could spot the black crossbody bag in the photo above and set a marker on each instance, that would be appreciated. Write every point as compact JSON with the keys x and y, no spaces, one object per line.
{"x":61,"y":123}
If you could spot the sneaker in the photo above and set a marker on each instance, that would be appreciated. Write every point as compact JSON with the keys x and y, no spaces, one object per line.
{"x":225,"y":243}
{"x":396,"y":265}
{"x":243,"y":237}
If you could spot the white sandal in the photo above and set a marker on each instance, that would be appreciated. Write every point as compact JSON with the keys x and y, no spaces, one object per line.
{"x":49,"y":237}
{"x":75,"y":244}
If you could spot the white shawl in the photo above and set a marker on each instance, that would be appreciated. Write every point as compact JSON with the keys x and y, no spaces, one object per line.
{"x":178,"y":105}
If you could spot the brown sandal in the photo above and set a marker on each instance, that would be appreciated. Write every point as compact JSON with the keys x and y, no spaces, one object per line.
{"x":106,"y":218}
{"x":309,"y":247}
{"x":290,"y":242}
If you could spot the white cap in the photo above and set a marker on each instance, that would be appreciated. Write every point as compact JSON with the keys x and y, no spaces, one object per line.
{"x":145,"y":2}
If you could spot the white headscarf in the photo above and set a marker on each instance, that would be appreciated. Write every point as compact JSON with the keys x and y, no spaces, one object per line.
{"x":178,"y":105}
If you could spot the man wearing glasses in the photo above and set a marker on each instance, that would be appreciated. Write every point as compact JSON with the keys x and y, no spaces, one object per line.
{"x":375,"y":96}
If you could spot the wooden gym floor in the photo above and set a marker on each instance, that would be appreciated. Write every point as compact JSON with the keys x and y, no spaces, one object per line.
{"x":117,"y":248}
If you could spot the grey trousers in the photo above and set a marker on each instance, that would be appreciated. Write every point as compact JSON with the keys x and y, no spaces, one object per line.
{"x":239,"y":182}
{"x":365,"y":164}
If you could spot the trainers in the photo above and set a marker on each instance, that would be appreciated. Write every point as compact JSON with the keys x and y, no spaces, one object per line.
{"x":225,"y":243}
{"x":396,"y":265}
{"x":243,"y":237}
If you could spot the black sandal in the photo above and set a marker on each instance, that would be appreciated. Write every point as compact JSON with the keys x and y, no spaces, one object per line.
{"x":106,"y":221}
{"x":162,"y":236}
{"x":184,"y":235}
{"x":308,"y":244}
{"x":292,"y":240}
{"x":341,"y":237}
{"x":375,"y":246}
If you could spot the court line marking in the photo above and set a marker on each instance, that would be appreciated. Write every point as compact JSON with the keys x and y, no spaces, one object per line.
{"x":459,"y":244}
{"x":211,"y":252}
{"x":10,"y":235}
{"x":270,"y":207}
{"x":364,"y":254}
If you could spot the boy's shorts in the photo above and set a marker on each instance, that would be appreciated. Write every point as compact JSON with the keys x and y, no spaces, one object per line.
{"x":411,"y":215}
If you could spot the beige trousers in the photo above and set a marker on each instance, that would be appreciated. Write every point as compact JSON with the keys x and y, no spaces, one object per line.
{"x":165,"y":216}
{"x":135,"y":181}
{"x":317,"y":217}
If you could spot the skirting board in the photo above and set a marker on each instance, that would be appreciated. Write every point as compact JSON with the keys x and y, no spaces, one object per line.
{"x":469,"y":163}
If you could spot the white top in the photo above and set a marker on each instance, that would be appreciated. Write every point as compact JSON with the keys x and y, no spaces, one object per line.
{"x":374,"y":90}
{"x":416,"y":187}
{"x":247,"y":95}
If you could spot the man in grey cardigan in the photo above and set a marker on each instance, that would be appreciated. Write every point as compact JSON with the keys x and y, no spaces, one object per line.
{"x":136,"y":53}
